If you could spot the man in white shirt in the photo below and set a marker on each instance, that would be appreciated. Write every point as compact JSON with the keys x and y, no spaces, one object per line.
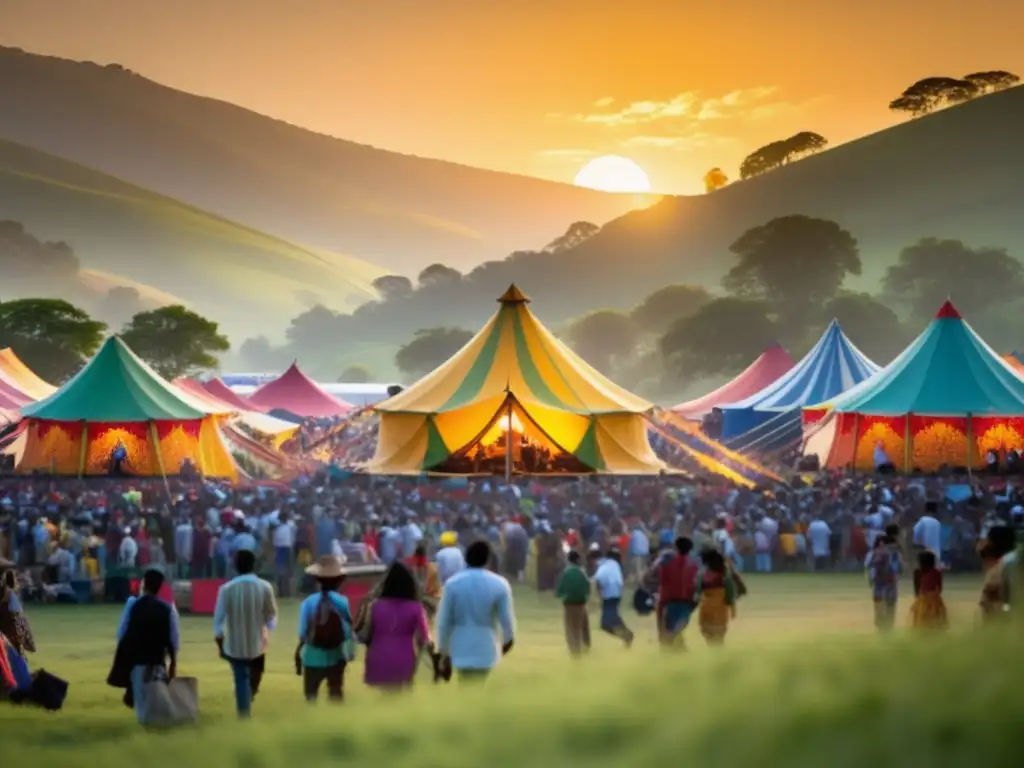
{"x":449,"y":558}
{"x":245,"y":613}
{"x":819,"y":535}
{"x":129,"y":550}
{"x":610,"y":584}
{"x":284,"y":552}
{"x":928,"y":530}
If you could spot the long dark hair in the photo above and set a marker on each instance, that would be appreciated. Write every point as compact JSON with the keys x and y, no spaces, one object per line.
{"x":399,"y":583}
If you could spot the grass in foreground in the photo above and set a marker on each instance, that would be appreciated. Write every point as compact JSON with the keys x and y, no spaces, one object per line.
{"x":804,"y":682}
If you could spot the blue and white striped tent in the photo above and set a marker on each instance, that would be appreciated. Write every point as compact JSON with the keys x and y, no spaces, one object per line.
{"x":771,"y":417}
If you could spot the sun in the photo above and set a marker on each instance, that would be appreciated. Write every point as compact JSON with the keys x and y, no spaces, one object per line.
{"x":612,"y":173}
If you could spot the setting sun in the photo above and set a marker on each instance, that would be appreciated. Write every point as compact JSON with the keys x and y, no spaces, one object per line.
{"x":612,"y":173}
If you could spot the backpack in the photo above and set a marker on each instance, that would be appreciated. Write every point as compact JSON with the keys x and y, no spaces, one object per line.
{"x":326,"y":629}
{"x":882,"y":563}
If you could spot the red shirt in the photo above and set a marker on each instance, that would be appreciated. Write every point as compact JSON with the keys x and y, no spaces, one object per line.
{"x":677,"y":579}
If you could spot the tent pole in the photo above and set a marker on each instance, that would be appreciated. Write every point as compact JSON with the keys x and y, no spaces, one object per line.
{"x":154,"y":438}
{"x":508,"y":447}
{"x":84,"y":450}
{"x":970,"y":439}
{"x":907,"y":447}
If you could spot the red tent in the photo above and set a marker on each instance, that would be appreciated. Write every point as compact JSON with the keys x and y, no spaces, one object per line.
{"x":773,"y":363}
{"x":296,"y":393}
{"x":226,"y":395}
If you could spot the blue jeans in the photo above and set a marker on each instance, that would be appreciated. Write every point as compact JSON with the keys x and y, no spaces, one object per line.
{"x":763,"y":562}
{"x":241,"y":672}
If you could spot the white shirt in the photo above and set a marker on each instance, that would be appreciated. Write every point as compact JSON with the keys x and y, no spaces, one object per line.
{"x":881,"y":457}
{"x":284,"y":535}
{"x":819,"y":534}
{"x":128,"y":552}
{"x":928,"y":534}
{"x":449,"y":562}
{"x":608,"y":579}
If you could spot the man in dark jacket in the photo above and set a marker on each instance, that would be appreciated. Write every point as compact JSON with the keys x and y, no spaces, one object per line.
{"x":148,"y":641}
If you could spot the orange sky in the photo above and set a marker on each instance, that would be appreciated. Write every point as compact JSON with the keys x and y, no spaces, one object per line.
{"x":538,"y":86}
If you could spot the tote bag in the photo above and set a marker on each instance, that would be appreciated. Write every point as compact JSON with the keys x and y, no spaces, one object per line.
{"x":171,"y":703}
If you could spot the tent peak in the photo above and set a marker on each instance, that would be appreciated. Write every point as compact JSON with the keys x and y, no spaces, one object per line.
{"x":947,"y":311}
{"x":514,"y":296}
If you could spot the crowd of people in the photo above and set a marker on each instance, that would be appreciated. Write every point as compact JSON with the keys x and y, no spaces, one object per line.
{"x":681,"y":545}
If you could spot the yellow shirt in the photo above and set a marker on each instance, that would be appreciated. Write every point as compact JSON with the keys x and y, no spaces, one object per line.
{"x":787,"y":542}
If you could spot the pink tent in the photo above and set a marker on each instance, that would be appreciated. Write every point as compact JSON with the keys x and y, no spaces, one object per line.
{"x":226,"y":395}
{"x":296,"y":393}
{"x":773,"y":363}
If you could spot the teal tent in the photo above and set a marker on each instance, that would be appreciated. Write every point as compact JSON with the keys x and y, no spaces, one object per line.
{"x":947,"y":371}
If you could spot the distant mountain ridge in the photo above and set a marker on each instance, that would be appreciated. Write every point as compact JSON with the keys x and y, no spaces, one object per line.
{"x":397,"y":211}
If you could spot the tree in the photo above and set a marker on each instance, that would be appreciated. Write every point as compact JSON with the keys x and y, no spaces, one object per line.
{"x":578,"y":232}
{"x":723,"y":336}
{"x":53,"y":337}
{"x":931,"y":93}
{"x":315,"y":328}
{"x":990,"y":82}
{"x":872,"y":326}
{"x":715,"y":179}
{"x":175,"y":341}
{"x":666,"y":305}
{"x":603,"y":337}
{"x":260,"y":355}
{"x":355,"y":374}
{"x":793,"y":263}
{"x":779,"y":153}
{"x":393,"y":287}
{"x":438,"y":274}
{"x":932,"y":270}
{"x":429,"y":348}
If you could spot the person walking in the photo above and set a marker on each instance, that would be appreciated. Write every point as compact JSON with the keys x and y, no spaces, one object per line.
{"x":326,"y":643}
{"x":475,"y":617}
{"x":573,"y":589}
{"x":396,"y":631}
{"x":610,"y":584}
{"x":677,"y":585}
{"x":449,"y":558}
{"x":245,"y":614}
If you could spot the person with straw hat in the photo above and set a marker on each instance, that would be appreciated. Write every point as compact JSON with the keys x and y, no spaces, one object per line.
{"x":326,"y":643}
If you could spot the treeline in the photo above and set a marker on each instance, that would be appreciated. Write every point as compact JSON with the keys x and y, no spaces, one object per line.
{"x":785,"y":285}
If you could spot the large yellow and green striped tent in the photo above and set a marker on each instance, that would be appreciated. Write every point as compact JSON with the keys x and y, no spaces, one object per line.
{"x":515,"y":372}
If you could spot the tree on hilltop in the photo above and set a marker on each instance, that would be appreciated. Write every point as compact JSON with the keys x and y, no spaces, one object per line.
{"x":932,"y":93}
{"x":437,"y":274}
{"x":429,"y":348}
{"x":779,"y":153}
{"x":578,"y":232}
{"x":715,"y":179}
{"x":995,"y":80}
{"x":53,"y":337}
{"x":723,"y":336}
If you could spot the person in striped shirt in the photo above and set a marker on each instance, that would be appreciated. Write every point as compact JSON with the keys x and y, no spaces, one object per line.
{"x":245,"y":613}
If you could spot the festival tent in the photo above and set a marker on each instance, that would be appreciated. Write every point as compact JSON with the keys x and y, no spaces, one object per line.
{"x":770,"y":418}
{"x":197,"y":392}
{"x":772,"y":363}
{"x":225,"y":394}
{"x":514,"y":380}
{"x":277,"y":431}
{"x":116,"y":399}
{"x":946,"y":400}
{"x":14,"y":373}
{"x":1013,"y":361}
{"x":295,"y":393}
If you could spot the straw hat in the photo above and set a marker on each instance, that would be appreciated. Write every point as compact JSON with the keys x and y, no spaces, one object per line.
{"x":327,"y":567}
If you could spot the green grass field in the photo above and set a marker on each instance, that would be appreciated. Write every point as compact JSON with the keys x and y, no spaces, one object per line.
{"x":803,"y":681}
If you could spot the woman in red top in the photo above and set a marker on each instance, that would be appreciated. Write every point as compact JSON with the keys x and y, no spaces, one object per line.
{"x":928,"y":610}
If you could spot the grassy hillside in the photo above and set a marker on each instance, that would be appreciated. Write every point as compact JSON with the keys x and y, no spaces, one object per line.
{"x":802,"y":682}
{"x":398,"y":211}
{"x":249,"y":281}
{"x":951,"y":174}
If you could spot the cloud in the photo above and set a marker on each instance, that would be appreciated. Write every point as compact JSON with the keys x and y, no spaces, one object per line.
{"x":737,"y":104}
{"x":680,"y":142}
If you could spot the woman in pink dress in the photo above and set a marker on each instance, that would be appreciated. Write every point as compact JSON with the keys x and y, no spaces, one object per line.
{"x":397,"y":631}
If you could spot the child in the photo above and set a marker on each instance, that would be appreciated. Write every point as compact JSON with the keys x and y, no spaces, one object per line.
{"x":884,"y":567}
{"x":928,"y":610}
{"x":716,"y":595}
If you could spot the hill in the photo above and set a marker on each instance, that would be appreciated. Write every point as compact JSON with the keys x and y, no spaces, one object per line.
{"x":950,"y":174}
{"x":124,"y":235}
{"x":397,"y":211}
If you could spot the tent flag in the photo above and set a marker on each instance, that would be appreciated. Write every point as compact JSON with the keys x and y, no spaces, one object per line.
{"x":833,"y":365}
{"x":515,"y":364}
